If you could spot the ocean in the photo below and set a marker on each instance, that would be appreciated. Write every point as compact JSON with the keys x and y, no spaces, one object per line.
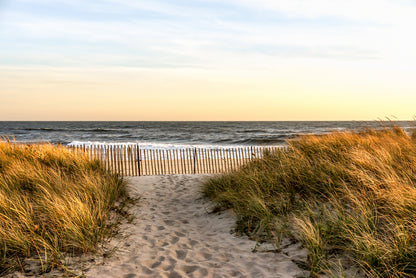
{"x":165,"y":135}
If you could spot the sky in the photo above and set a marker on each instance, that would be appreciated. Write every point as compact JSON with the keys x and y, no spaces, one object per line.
{"x":207,"y":60}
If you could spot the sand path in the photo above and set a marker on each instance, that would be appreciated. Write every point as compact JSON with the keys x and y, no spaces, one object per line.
{"x":174,"y":235}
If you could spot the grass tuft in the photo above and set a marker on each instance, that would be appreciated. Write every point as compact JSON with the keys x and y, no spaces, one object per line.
{"x":345,"y":193}
{"x":52,"y":202}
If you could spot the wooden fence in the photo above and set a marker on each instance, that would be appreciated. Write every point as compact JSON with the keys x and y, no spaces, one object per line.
{"x":131,"y":160}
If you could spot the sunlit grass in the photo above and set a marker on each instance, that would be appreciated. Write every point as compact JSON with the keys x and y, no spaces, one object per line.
{"x":350,"y":194}
{"x":52,"y":202}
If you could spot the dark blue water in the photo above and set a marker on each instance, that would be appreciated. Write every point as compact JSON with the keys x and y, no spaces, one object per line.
{"x":166,"y":134}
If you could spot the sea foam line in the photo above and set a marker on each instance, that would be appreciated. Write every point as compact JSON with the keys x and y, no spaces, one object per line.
{"x":162,"y":146}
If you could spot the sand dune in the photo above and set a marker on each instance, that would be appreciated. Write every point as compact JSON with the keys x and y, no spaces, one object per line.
{"x":174,"y":235}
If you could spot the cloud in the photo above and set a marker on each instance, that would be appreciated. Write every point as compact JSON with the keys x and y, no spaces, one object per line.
{"x":377,"y":11}
{"x":205,"y":34}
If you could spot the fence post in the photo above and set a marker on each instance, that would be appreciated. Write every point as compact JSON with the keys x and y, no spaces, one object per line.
{"x":194,"y":160}
{"x":251,"y":153}
{"x":138,"y":158}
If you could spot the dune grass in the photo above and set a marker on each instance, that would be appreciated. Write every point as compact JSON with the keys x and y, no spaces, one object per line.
{"x":52,"y":202}
{"x":344,"y":195}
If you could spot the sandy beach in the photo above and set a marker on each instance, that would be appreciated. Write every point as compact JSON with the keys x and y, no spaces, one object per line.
{"x":175,"y":235}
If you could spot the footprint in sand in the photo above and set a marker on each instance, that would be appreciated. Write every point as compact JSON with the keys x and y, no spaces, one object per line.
{"x":188,"y":269}
{"x":179,"y":234}
{"x":169,"y":222}
{"x":130,"y":275}
{"x":174,"y":240}
{"x":177,"y":237}
{"x":181,"y":254}
{"x":193,"y":242}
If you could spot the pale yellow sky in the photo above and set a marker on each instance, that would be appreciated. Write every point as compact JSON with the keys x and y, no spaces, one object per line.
{"x":142,"y":94}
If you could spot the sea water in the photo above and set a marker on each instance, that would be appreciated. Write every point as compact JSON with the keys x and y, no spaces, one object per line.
{"x":168,"y":135}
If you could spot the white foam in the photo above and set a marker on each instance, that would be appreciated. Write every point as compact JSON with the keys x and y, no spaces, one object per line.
{"x":160,"y":146}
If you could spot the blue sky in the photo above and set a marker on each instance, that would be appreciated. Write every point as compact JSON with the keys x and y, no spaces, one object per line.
{"x":190,"y":33}
{"x":366,"y":44}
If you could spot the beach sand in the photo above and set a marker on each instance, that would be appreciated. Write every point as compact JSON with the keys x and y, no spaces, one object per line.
{"x":175,"y":234}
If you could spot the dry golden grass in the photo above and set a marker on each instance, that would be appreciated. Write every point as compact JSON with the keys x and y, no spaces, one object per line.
{"x":344,"y":194}
{"x":52,"y":202}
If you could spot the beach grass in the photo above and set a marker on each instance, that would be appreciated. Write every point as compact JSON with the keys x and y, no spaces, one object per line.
{"x":349,"y":197}
{"x":52,"y":202}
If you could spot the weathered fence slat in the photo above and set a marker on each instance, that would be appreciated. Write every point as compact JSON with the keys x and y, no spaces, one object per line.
{"x":131,"y":160}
